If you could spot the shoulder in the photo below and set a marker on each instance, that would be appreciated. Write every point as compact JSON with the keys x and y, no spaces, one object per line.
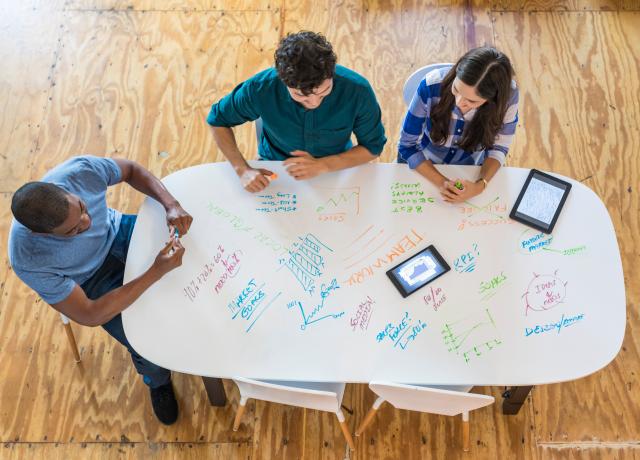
{"x":434,"y":78}
{"x":264,"y":80}
{"x":350,"y":78}
{"x":81,"y":166}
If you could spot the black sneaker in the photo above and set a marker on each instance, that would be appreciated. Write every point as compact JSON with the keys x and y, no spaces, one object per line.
{"x":164,"y":403}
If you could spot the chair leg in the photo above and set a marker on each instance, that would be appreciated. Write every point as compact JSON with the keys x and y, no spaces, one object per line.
{"x":72,"y":341}
{"x":345,"y":430}
{"x":370,"y":415}
{"x":465,"y":431}
{"x":239,"y":412}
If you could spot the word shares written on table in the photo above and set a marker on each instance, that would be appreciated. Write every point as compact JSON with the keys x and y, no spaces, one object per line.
{"x":240,"y":225}
{"x":336,"y":204}
{"x":224,"y":266}
{"x":555,"y":326}
{"x":277,"y":202}
{"x":318,"y":313}
{"x":466,"y":262}
{"x":490,"y":287}
{"x":403,"y":332}
{"x":435,"y":298}
{"x":306,"y":261}
{"x":362,"y":315}
{"x":384,"y":251}
{"x":408,"y":198}
{"x":471,"y":337}
{"x":544,"y":292}
{"x":492,"y":213}
{"x":250,"y":303}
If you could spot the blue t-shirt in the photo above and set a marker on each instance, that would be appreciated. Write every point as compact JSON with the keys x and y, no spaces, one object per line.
{"x":52,"y":265}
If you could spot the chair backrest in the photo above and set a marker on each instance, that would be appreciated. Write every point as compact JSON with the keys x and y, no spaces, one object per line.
{"x":431,"y":400}
{"x":411,"y":85}
{"x":310,"y":397}
{"x":258,"y":124}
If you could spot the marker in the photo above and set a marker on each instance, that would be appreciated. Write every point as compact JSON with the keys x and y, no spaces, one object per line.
{"x":273,"y":176}
{"x":176,"y":235}
{"x":458,"y":185}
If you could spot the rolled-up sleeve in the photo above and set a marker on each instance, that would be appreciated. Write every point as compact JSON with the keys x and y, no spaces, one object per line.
{"x":413,"y":126}
{"x":368,"y":127}
{"x":235,"y":108}
{"x":500,"y":147}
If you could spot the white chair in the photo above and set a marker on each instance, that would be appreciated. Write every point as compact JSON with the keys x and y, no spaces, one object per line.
{"x":258,"y":124}
{"x":448,"y":400}
{"x":411,"y":85}
{"x":71,"y":337}
{"x":312,"y":395}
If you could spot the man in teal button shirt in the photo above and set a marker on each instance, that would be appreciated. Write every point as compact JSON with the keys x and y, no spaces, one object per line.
{"x":309,"y":107}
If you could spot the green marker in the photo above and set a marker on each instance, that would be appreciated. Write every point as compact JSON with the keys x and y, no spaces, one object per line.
{"x":458,"y":185}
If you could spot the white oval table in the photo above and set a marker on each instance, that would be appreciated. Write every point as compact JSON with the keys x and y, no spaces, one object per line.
{"x":290,"y":283}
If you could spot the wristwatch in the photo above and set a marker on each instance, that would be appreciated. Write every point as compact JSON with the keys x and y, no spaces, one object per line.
{"x":484,"y":181}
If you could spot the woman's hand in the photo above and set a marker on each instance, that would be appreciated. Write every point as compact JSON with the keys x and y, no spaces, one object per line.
{"x":460,"y":190}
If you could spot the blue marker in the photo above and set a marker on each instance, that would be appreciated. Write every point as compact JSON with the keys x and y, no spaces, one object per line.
{"x":176,"y":235}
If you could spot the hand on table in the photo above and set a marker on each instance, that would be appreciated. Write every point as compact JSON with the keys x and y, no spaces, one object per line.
{"x":178,"y":219}
{"x":256,"y":179}
{"x":304,"y":165}
{"x":452,"y":194}
{"x":169,"y":257}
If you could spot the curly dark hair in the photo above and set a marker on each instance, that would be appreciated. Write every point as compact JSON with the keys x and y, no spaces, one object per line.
{"x":304,"y":60}
{"x":40,"y":206}
{"x":489,"y":71}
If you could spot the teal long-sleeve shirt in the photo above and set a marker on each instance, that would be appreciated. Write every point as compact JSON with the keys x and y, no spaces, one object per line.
{"x":351,"y":107}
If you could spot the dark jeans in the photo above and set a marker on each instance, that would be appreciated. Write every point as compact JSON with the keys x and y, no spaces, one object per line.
{"x":109,"y":277}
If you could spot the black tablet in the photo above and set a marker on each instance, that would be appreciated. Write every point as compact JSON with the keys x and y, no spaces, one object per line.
{"x":418,"y":271}
{"x":540,"y":201}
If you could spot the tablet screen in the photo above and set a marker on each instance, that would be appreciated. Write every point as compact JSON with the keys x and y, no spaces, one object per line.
{"x":540,"y":201}
{"x":417,"y":271}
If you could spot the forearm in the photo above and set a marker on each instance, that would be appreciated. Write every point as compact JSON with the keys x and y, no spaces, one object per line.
{"x":489,"y":169}
{"x":427,"y":170}
{"x":143,"y":181}
{"x":355,"y":156}
{"x":226,"y":141}
{"x":103,"y":309}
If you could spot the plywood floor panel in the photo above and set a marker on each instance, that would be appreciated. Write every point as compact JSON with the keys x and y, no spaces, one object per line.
{"x":25,"y":83}
{"x":125,"y":451}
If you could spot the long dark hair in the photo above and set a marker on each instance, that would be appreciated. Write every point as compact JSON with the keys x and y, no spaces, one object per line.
{"x":489,"y":71}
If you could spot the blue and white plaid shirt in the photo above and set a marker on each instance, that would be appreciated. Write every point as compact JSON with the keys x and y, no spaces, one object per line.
{"x":415,"y":144}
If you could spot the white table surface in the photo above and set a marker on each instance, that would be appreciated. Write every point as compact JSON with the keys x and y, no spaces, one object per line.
{"x":474,"y":325}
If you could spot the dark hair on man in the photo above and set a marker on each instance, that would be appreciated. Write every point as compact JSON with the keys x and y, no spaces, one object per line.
{"x":489,"y":71}
{"x":40,"y":206}
{"x":304,"y":60}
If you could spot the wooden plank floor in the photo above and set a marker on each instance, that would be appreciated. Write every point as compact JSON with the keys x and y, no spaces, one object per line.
{"x":135,"y":78}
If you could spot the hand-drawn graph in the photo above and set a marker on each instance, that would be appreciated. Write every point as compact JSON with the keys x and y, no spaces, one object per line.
{"x":336,"y":204}
{"x":471,"y":336}
{"x":544,"y":292}
{"x":311,"y":318}
{"x":305,"y":261}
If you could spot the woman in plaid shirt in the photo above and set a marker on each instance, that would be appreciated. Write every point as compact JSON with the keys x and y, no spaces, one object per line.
{"x":463,"y":114}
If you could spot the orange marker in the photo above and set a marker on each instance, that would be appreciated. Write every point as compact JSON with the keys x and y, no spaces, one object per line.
{"x":273,"y":176}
